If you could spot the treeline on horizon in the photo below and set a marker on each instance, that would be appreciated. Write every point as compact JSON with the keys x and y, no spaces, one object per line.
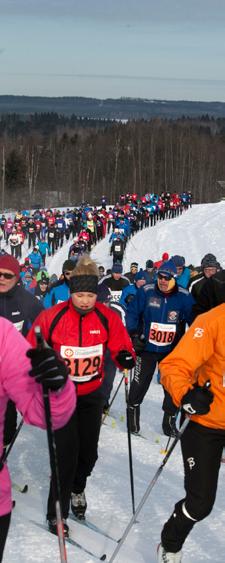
{"x":50,"y":159}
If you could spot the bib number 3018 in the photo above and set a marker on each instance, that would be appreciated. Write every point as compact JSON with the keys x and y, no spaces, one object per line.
{"x":162,"y":334}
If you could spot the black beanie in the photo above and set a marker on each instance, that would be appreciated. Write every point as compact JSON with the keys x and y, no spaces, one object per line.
{"x":82,"y":283}
{"x":68,"y":265}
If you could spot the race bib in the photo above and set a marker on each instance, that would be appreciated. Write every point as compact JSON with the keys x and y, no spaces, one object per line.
{"x":117,"y":248}
{"x":84,"y":363}
{"x":116,"y":295}
{"x":162,"y":334}
{"x":51,"y":235}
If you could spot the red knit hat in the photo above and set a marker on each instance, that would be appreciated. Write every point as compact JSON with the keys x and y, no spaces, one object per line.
{"x":10,"y":263}
{"x":165,"y":256}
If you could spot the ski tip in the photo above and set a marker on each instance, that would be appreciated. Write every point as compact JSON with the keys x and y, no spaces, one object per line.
{"x":103,"y":557}
{"x":25,"y":489}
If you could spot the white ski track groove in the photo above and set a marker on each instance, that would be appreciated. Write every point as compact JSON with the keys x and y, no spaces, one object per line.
{"x":91,"y":526}
{"x":69,"y":540}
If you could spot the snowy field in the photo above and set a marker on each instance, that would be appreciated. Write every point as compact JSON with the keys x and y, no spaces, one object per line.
{"x":197,"y":232}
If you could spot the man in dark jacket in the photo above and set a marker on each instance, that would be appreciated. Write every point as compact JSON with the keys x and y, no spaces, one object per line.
{"x":115,"y":281}
{"x":21,"y":308}
{"x":133,"y":271}
{"x":209,"y":267}
{"x":211,"y":295}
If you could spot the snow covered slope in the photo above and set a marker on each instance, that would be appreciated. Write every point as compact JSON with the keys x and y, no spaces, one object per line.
{"x":196,"y":232}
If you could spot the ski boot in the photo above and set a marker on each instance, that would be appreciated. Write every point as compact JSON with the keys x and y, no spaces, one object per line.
{"x":167,"y":556}
{"x":79,"y":505}
{"x":52,"y":526}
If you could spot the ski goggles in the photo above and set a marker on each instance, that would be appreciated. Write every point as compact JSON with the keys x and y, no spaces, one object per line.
{"x":7,"y":275}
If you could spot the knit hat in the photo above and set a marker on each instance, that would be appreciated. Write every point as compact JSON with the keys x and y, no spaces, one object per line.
{"x":42,"y":276}
{"x":179,"y":261}
{"x":117,"y":268}
{"x":149,"y":264}
{"x":140,"y":275}
{"x":68,"y":265}
{"x":209,"y":261}
{"x":134,"y":265}
{"x":10,"y":263}
{"x":86,"y":283}
{"x":85,"y":278}
{"x":168,"y":268}
{"x":165,"y":256}
{"x":104,"y":293}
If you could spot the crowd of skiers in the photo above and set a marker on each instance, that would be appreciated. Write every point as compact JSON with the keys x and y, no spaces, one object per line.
{"x":95,"y":323}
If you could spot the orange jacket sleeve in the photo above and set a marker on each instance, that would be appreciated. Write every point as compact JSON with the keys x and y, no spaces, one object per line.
{"x":189,"y":361}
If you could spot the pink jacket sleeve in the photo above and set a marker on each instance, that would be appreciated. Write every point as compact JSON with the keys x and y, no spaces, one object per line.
{"x":22,"y":389}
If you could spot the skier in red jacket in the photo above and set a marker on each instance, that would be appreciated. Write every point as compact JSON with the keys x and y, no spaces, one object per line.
{"x":80,"y":330}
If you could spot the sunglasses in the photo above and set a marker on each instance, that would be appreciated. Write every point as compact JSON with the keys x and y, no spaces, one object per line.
{"x":7,"y":276}
{"x":164,"y":277}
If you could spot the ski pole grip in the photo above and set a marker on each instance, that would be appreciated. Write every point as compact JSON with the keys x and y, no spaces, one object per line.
{"x":41,"y":344}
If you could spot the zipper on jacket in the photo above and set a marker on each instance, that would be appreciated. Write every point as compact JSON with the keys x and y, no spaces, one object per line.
{"x":80,"y":330}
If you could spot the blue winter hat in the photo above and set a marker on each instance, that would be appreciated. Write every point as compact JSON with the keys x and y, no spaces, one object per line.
{"x":117,"y":268}
{"x":104,"y":294}
{"x":179,"y":261}
{"x":141,"y":275}
{"x":168,"y":268}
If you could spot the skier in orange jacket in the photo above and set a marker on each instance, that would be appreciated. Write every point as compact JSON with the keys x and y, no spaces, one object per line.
{"x":199,"y":357}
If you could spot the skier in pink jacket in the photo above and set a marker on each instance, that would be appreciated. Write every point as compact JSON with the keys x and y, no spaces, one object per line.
{"x":22,"y":369}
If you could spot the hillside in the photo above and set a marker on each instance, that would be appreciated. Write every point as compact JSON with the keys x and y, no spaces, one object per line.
{"x":122,"y":108}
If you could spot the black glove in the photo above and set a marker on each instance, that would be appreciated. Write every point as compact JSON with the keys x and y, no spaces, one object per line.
{"x":48,"y":368}
{"x":197,"y":400}
{"x":139,"y":343}
{"x":125,"y":359}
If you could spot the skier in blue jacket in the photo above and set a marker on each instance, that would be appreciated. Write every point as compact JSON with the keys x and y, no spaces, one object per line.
{"x":44,"y":248}
{"x":35,"y":259}
{"x":156,"y":319}
{"x":60,"y":291}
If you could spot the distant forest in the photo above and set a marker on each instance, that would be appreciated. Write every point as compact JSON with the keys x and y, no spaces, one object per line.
{"x":50,"y":159}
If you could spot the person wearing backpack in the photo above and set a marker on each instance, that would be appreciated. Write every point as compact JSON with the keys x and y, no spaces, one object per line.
{"x":80,"y":330}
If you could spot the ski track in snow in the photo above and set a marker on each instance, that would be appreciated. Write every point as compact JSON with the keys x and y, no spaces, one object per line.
{"x":196,"y":232}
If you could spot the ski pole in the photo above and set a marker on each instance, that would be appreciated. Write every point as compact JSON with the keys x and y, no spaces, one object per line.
{"x":41,"y":344}
{"x":165,"y":450}
{"x":8,"y":450}
{"x":149,"y":489}
{"x":129,"y":441}
{"x":112,"y":400}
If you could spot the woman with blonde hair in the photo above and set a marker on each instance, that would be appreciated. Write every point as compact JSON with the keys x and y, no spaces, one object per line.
{"x":81,"y":329}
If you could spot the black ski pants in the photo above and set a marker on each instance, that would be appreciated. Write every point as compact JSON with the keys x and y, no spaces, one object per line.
{"x":4,"y":527}
{"x":77,"y":449}
{"x":202,"y":449}
{"x":143,"y":374}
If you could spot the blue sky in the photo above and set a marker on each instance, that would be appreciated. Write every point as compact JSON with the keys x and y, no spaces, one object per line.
{"x":99,"y":48}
